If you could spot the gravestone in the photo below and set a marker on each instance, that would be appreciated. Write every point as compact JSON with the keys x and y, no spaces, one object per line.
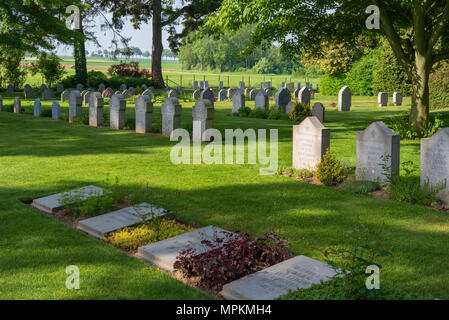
{"x":308,"y":85}
{"x":171,"y":116}
{"x":252,"y":94}
{"x":296,"y":92}
{"x":28,"y":92}
{"x":163,"y":254}
{"x":304,"y":96}
{"x":344,"y":99}
{"x":17,"y":105}
{"x":117,"y":112}
{"x":289,"y":107}
{"x":195,"y":85}
{"x":201,"y":85}
{"x":196,"y":94}
{"x":382,"y":99}
{"x":246,"y":91}
{"x":397,"y":98}
{"x":1,"y":103}
{"x":37,"y":109}
{"x":318,"y":111}
{"x":215,"y":91}
{"x":123,"y":87}
{"x":300,"y":272}
{"x":10,"y":88}
{"x":311,"y":140}
{"x":298,"y":85}
{"x":144,"y":114}
{"x":126,"y":94}
{"x":206,"y":84}
{"x":283,"y":97}
{"x":43,"y":87}
{"x":269,"y":92}
{"x":261,"y":100}
{"x":374,"y":143}
{"x":238,"y":101}
{"x":172,"y":94}
{"x":291,"y":86}
{"x":282,"y":84}
{"x":60,"y":87}
{"x":207,"y":94}
{"x":55,"y":110}
{"x":132,"y":91}
{"x":144,"y":86}
{"x":242,"y":87}
{"x":203,"y":118}
{"x":435,"y":162}
{"x":48,"y":95}
{"x":107,"y":93}
{"x":231,"y":92}
{"x":54,"y":202}
{"x":222,"y":95}
{"x":79,"y":87}
{"x":117,"y":92}
{"x":148,"y":93}
{"x":101,"y":87}
{"x":220,"y":85}
{"x":86,"y":97}
{"x":75,"y":107}
{"x":96,"y":104}
{"x":99,"y":226}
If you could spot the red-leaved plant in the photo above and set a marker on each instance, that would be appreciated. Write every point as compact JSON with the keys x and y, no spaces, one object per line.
{"x":240,"y":255}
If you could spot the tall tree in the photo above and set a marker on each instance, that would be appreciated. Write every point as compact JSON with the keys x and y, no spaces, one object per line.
{"x":417,"y":31}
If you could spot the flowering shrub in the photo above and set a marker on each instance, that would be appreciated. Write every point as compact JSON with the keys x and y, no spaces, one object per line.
{"x":240,"y":255}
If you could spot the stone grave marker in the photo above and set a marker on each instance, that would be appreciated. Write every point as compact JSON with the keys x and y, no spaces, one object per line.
{"x":148,"y":93}
{"x":10,"y":88}
{"x":17,"y":105}
{"x":222,"y":95}
{"x":252,"y":94}
{"x":435,"y":162}
{"x":318,"y":111}
{"x":373,"y":143}
{"x":37,"y":108}
{"x":96,"y":104}
{"x":220,"y":85}
{"x":126,"y":94}
{"x":289,"y":107}
{"x":215,"y":91}
{"x":144,"y":114}
{"x":397,"y":98}
{"x":171,"y":116}
{"x":299,"y":272}
{"x":163,"y":253}
{"x":101,"y":87}
{"x":75,"y":107}
{"x":231,"y":92}
{"x":48,"y":94}
{"x":60,"y":87}
{"x":197,"y":94}
{"x":269,"y":92}
{"x":55,"y":110}
{"x":203,"y":118}
{"x":86,"y":97}
{"x":207,"y":94}
{"x":144,"y":86}
{"x":43,"y":87}
{"x":79,"y":87}
{"x":201,"y":85}
{"x":238,"y":101}
{"x":195,"y":85}
{"x":172,"y":94}
{"x":291,"y":86}
{"x":55,"y":202}
{"x":242,"y":87}
{"x":311,"y":140}
{"x":132,"y":91}
{"x":283,"y":97}
{"x":117,"y":112}
{"x":382,"y":99}
{"x":344,"y":99}
{"x":99,"y":226}
{"x":28,"y":92}
{"x":304,"y":96}
{"x":123,"y":87}
{"x":261,"y":100}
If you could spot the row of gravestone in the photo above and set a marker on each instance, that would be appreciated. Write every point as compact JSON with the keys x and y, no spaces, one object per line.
{"x":37,"y":108}
{"x":382,"y":99}
{"x":377,"y":153}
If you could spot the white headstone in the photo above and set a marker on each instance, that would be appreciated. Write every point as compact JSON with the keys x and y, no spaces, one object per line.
{"x":203,"y":118}
{"x":17,"y":105}
{"x":144,"y":114}
{"x":344,"y":99}
{"x":238,"y":101}
{"x":75,"y":105}
{"x":304,"y":96}
{"x":37,"y":110}
{"x":96,"y":104}
{"x":382,"y":99}
{"x":318,"y":111}
{"x":55,"y":110}
{"x":397,"y":98}
{"x":261,"y":100}
{"x":117,"y":112}
{"x":171,"y":116}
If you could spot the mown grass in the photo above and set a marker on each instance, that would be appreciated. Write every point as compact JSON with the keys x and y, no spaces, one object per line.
{"x":40,"y":156}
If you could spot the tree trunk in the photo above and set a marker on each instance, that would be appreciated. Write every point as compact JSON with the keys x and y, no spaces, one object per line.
{"x":156,"y":59}
{"x":79,"y":53}
{"x":419,"y":114}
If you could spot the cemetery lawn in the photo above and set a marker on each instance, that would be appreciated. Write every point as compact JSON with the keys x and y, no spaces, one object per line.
{"x":39,"y":157}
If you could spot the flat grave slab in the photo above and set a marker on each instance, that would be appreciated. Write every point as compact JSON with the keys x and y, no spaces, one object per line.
{"x":100,"y":225}
{"x":52,"y":203}
{"x":163,"y":253}
{"x":299,"y":272}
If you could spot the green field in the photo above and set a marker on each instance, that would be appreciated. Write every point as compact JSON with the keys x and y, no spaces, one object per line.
{"x":173,"y":72}
{"x":40,"y":156}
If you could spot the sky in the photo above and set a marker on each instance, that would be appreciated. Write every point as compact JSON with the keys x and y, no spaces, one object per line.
{"x":139,"y":38}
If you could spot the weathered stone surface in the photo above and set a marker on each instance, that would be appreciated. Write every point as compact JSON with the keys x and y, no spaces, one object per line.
{"x":65,"y":96}
{"x":397,"y":98}
{"x":252,"y":94}
{"x":435,"y":162}
{"x":304,"y":96}
{"x":290,"y":86}
{"x":300,"y":272}
{"x":96,"y":104}
{"x":318,"y":111}
{"x":238,"y":101}
{"x":246,"y":91}
{"x":283,"y":97}
{"x":101,"y":87}
{"x":373,"y":143}
{"x":201,"y":85}
{"x":28,"y":92}
{"x":75,"y":107}
{"x":231,"y":92}
{"x":79,"y":87}
{"x":48,"y":94}
{"x":43,"y":87}
{"x":269,"y":92}
{"x":100,"y":226}
{"x":10,"y":88}
{"x":203,"y":118}
{"x":197,"y":94}
{"x":172,"y":94}
{"x":132,"y":91}
{"x":289,"y":107}
{"x":382,"y":99}
{"x":215,"y":91}
{"x":17,"y":105}
{"x":242,"y":87}
{"x":123,"y":87}
{"x":195,"y":85}
{"x":207,"y":94}
{"x":148,"y":93}
{"x":55,"y":110}
{"x":37,"y":108}
{"x":144,"y":114}
{"x":344,"y":99}
{"x":117,"y":112}
{"x":163,"y":253}
{"x":261,"y":100}
{"x":311,"y":140}
{"x":144,"y":86}
{"x":220,"y":85}
{"x":60,"y":87}
{"x":222,"y":95}
{"x":171,"y":116}
{"x":52,"y":203}
{"x":86,"y":97}
{"x":127,"y":94}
